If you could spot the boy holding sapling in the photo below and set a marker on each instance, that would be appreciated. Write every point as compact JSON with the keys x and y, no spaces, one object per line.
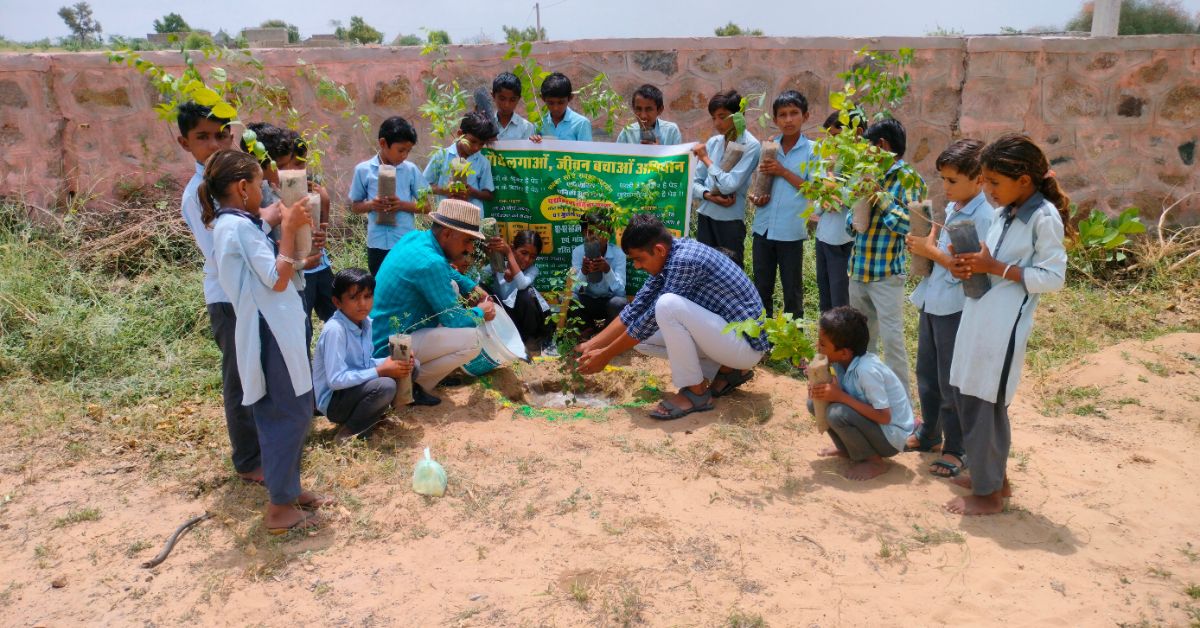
{"x":649,"y":128}
{"x":389,"y":216}
{"x":940,"y":299}
{"x":779,"y":226}
{"x":600,"y":273}
{"x":877,"y":263}
{"x":353,"y":389}
{"x":506,"y":93}
{"x":834,"y":245}
{"x":461,"y":171}
{"x":868,"y":414}
{"x":726,"y":162}
{"x":562,"y":123}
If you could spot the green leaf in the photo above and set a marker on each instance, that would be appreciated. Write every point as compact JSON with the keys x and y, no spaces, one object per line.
{"x":224,"y":110}
{"x":837,"y":101}
{"x":207,"y":97}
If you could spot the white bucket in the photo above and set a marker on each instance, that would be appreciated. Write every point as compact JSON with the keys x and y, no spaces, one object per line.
{"x":501,"y":344}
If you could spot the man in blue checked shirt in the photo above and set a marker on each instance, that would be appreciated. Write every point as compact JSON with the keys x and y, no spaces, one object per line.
{"x":680,"y":314}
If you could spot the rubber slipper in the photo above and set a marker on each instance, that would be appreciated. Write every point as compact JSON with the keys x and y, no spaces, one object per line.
{"x":732,"y":380}
{"x":320,"y":501}
{"x":310,"y":521}
{"x":952,"y":470}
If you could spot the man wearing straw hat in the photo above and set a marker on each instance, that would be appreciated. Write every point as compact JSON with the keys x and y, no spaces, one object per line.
{"x":415,"y":294}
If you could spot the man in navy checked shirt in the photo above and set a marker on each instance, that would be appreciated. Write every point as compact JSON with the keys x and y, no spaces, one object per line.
{"x":680,"y":314}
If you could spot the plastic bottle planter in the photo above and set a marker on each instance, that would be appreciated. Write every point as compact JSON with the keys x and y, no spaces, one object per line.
{"x":293,"y":186}
{"x":861,"y":212}
{"x":648,"y":136}
{"x":760,"y":185}
{"x":401,"y":348}
{"x":818,"y":373}
{"x":386,"y":187}
{"x":919,"y":226}
{"x":304,"y":234}
{"x":594,"y":249}
{"x":429,"y":478}
{"x":965,"y":239}
{"x":733,"y":154}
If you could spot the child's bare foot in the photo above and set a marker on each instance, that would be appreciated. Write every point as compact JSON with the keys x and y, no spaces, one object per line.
{"x":867,"y":469}
{"x":284,"y":519}
{"x":832,"y":451}
{"x":977,"y":504}
{"x":965,"y":482}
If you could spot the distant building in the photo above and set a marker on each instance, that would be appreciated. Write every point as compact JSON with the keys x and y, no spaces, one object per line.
{"x":324,"y":41}
{"x":273,"y":37}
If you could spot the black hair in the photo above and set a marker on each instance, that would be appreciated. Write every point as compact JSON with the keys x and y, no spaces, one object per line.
{"x":597,"y":220}
{"x":834,"y":121}
{"x":643,"y":232}
{"x":223,"y":169}
{"x":397,"y":129}
{"x":729,"y":100}
{"x":1014,"y":155}
{"x":277,"y":141}
{"x":963,"y":156}
{"x":649,"y":92}
{"x":480,"y":125}
{"x":891,"y":130}
{"x":557,"y":85}
{"x":299,"y":145}
{"x":507,"y":80}
{"x":528,"y":236}
{"x":846,"y":328}
{"x":790,"y":97}
{"x":348,"y":278}
{"x":189,"y":114}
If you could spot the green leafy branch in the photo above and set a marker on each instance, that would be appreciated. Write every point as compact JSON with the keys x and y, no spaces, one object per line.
{"x":790,"y":338}
{"x":597,"y":99}
{"x":745,"y":107}
{"x":531,"y":74}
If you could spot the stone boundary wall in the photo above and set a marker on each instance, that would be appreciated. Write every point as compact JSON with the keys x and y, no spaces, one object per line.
{"x":1119,"y":117}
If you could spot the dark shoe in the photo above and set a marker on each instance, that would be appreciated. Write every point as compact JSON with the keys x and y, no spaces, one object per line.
{"x":422,"y":398}
{"x":725,"y":383}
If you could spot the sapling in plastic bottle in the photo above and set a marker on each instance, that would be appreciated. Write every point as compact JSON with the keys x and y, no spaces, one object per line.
{"x":386,"y":188}
{"x":818,"y":373}
{"x":400,"y":346}
{"x":965,"y":239}
{"x":760,"y":185}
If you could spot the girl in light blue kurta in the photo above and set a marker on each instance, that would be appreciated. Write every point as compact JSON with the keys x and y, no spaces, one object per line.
{"x":1023,"y":256}
{"x":272,"y":354}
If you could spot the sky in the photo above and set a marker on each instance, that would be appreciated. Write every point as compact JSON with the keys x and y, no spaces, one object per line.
{"x":23,"y":20}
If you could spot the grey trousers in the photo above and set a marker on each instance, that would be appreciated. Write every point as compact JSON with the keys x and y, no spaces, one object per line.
{"x":283,"y":419}
{"x":833,"y":274}
{"x":987,"y":433}
{"x":854,"y":434}
{"x":882,"y":302}
{"x":788,"y":256}
{"x":239,"y":422}
{"x":939,"y":414}
{"x":359,"y":408}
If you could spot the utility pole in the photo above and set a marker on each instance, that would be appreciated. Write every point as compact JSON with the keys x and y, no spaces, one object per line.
{"x":1106,"y":18}
{"x":537,"y":8}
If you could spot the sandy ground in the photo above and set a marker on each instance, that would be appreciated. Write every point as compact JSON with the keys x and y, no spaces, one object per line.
{"x":718,"y":518}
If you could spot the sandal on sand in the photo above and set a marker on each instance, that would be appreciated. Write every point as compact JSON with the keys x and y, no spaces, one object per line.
{"x":951,"y":470}
{"x":700,"y":403}
{"x":310,"y":521}
{"x":317,"y":502}
{"x":731,"y":381}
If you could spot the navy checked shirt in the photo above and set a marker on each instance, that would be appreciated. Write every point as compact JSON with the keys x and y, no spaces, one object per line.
{"x":879,"y":253}
{"x":704,"y":276}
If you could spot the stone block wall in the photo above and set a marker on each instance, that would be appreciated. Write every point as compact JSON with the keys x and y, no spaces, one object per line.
{"x":1119,"y":117}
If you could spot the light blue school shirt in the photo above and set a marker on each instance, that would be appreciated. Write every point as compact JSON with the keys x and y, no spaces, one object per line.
{"x":365,"y":187}
{"x":612,"y":284}
{"x":941,"y":293}
{"x":189,"y":207}
{"x":870,"y":381}
{"x":780,"y":219}
{"x":667,"y":133}
{"x":343,"y":358}
{"x":507,"y":290}
{"x":245,"y":261}
{"x":831,"y":227}
{"x":437,"y":171}
{"x":714,"y":179}
{"x":517,"y":129}
{"x":573,"y":127}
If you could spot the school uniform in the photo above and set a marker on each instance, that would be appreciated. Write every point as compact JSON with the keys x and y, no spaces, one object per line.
{"x":780,"y":232}
{"x":989,"y":349}
{"x":522,"y":302}
{"x":348,"y":388}
{"x":832,"y":251}
{"x":318,"y":290}
{"x":939,"y":298}
{"x":365,"y":187}
{"x":243,"y":435}
{"x":517,"y":129}
{"x":437,"y":172}
{"x":271,"y":353}
{"x":717,"y":226}
{"x":870,"y":381}
{"x":604,"y":299}
{"x":665,"y":133}
{"x":573,"y":126}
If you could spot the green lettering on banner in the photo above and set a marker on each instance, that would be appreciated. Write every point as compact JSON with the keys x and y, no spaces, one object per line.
{"x":546,"y":188}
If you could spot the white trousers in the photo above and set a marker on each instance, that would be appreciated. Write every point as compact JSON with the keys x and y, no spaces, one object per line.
{"x":691,"y":339}
{"x":440,"y":350}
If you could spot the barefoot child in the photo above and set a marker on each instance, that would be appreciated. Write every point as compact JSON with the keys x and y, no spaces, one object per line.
{"x":1023,"y":256}
{"x":869,"y":415}
{"x":397,"y":137}
{"x":514,"y":287}
{"x":271,"y":354}
{"x":649,"y":128}
{"x":939,"y":298}
{"x":721,"y":215}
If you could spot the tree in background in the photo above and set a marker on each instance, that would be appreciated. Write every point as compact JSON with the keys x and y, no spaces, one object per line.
{"x":439,"y":38}
{"x":407,"y":40}
{"x":359,"y":32}
{"x":733,"y":30}
{"x":514,"y":35}
{"x":293,"y":32}
{"x":171,"y":23}
{"x":84,"y":28}
{"x":198,"y":41}
{"x":1142,"y":17}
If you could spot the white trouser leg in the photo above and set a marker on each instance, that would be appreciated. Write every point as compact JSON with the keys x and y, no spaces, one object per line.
{"x":440,"y":350}
{"x":694,"y":343}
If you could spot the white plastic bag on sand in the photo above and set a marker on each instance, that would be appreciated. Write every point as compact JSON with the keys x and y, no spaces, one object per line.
{"x":429,"y":478}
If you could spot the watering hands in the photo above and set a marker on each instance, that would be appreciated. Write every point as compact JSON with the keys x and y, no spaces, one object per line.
{"x":489,"y":309}
{"x":395,"y":369}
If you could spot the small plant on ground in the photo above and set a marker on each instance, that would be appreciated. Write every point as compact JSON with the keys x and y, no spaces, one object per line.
{"x":1103,"y":244}
{"x":742,"y":619}
{"x":77,"y":516}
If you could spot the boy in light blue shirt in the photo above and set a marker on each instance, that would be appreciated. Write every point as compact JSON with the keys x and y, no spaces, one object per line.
{"x":397,"y":137}
{"x":649,"y":128}
{"x":721,"y":215}
{"x":834,"y":244}
{"x":779,"y":226}
{"x":506,"y":93}
{"x":562,"y":123}
{"x":868,"y":414}
{"x":445,"y":174}
{"x":600,"y":301}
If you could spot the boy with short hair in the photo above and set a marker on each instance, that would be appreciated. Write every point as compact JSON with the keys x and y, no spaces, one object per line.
{"x":602,"y":301}
{"x":397,"y":137}
{"x":474,"y":132}
{"x":506,"y":93}
{"x":834,"y":245}
{"x":721,"y":215}
{"x":353,"y":389}
{"x":868,"y":414}
{"x":562,"y":123}
{"x":877,"y":263}
{"x":649,"y":128}
{"x":779,"y":229}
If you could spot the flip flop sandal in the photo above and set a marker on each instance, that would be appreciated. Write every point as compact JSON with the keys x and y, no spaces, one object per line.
{"x":925,"y":449}
{"x":310,"y":521}
{"x":700,"y":403}
{"x":732,"y":380}
{"x":252,"y":481}
{"x":321,"y":501}
{"x":952,"y":470}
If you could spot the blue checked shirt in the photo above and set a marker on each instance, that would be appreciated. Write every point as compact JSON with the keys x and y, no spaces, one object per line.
{"x":879,"y":253}
{"x":704,"y":276}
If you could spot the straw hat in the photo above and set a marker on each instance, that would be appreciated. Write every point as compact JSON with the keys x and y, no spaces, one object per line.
{"x":458,"y":215}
